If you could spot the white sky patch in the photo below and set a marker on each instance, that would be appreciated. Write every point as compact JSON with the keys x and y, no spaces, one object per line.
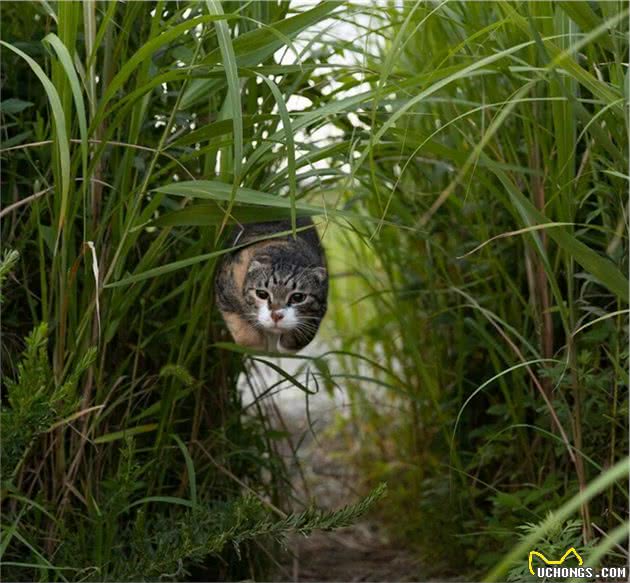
{"x":298,"y":103}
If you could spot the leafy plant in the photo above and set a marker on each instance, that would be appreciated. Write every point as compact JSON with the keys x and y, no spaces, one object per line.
{"x":106,"y":108}
{"x":495,"y":325}
{"x":34,"y":405}
{"x":554,"y":545}
{"x":464,"y":160}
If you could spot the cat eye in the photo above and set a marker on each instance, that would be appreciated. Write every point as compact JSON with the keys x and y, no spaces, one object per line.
{"x":297,"y":298}
{"x":262,"y":294}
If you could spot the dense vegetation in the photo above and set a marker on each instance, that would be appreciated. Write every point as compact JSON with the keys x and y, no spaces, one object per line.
{"x":503,"y":340}
{"x":125,"y":454}
{"x":466,"y":160}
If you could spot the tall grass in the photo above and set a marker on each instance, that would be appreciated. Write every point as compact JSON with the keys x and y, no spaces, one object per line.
{"x":499,"y":132}
{"x":478,"y":150}
{"x":124,"y":451}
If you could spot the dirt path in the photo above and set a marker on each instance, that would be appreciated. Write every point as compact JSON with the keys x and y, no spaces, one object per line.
{"x":352,"y":554}
{"x":358,"y":553}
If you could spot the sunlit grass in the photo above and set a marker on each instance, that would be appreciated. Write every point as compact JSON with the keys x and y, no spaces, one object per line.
{"x":498,"y":131}
{"x":466,"y":163}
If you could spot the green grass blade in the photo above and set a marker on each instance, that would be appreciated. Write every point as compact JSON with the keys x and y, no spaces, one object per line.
{"x":145,"y":52}
{"x":190,"y":467}
{"x":598,"y":266}
{"x":290,"y":144}
{"x":206,"y":215}
{"x":256,"y":46}
{"x":617,"y":472}
{"x":220,"y":191}
{"x":59,"y":118}
{"x":177,"y":501}
{"x":116,"y":435}
{"x":233,"y":97}
{"x":612,"y":539}
{"x":66,"y":61}
{"x":285,"y":375}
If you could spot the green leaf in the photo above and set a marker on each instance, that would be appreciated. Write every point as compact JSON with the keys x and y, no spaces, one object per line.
{"x":190,"y":468}
{"x":258,"y":45}
{"x":564,"y":59}
{"x":234,"y":90}
{"x":617,"y":472}
{"x":145,"y":52}
{"x":14,"y":105}
{"x":116,"y":435}
{"x":59,"y":117}
{"x":66,"y":62}
{"x":204,"y":215}
{"x":598,"y":266}
{"x":220,"y":191}
{"x":166,"y":499}
{"x":244,"y":202}
{"x":290,"y":145}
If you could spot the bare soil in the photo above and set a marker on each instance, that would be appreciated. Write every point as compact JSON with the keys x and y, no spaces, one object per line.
{"x":361,"y":552}
{"x":352,"y":554}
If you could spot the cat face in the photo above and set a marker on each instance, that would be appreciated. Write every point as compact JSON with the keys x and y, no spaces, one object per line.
{"x":282,"y":297}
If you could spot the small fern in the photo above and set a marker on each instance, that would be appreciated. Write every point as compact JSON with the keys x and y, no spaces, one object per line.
{"x":560,"y":538}
{"x":160,"y":549}
{"x":8,"y":261}
{"x":35,"y":401}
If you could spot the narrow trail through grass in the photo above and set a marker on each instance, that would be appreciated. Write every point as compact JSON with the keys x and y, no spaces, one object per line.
{"x":320,"y":470}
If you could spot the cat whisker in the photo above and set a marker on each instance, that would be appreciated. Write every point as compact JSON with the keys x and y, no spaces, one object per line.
{"x":307,"y":331}
{"x":300,"y":334}
{"x":304,"y":330}
{"x":315,"y":321}
{"x":253,"y":320}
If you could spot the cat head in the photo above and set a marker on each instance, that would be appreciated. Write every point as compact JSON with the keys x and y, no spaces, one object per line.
{"x":282,"y":297}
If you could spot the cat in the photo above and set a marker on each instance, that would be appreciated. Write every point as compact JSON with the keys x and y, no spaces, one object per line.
{"x":272,"y":293}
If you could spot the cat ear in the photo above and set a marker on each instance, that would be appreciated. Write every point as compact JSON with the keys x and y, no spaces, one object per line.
{"x":321,"y":273}
{"x":260,"y":261}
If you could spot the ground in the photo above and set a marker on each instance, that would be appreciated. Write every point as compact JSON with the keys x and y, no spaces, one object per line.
{"x":352,"y":554}
{"x":361,"y":552}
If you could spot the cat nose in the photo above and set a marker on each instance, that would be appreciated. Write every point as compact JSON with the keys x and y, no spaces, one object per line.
{"x":277,"y":316}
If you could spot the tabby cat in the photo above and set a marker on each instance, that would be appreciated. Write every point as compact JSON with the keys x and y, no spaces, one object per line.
{"x":272,"y":292}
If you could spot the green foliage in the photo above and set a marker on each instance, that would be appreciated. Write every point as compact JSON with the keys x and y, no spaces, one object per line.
{"x":558,"y":540}
{"x":498,"y":322}
{"x":161,"y":549}
{"x":105,"y":107}
{"x":156,"y":546}
{"x":35,"y":401}
{"x":471,"y":163}
{"x":9,"y":259}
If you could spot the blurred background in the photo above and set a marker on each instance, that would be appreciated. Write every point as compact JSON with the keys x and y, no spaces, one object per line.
{"x":466,"y":400}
